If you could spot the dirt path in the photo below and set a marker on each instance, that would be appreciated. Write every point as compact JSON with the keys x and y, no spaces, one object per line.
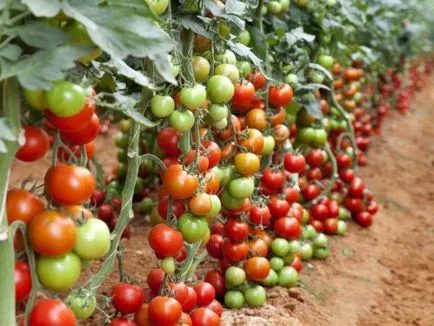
{"x":380,"y":276}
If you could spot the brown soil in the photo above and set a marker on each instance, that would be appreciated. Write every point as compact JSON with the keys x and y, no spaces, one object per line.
{"x":383,"y":275}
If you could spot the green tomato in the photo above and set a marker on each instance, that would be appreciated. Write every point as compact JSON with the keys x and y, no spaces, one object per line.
{"x":285,"y":5}
{"x":168,"y":265}
{"x":358,"y":97}
{"x":201,"y":68}
{"x":241,"y":188}
{"x":65,"y":99}
{"x":235,"y":276}
{"x":288,"y":258}
{"x":221,"y":124}
{"x":321,"y":253}
{"x":288,"y":277}
{"x":193,"y":97}
{"x":234,"y":299}
{"x":228,"y":173}
{"x":269,"y":144}
{"x":309,"y":232}
{"x":223,"y":29}
{"x":271,"y":279}
{"x":306,"y":251}
{"x":277,"y":263}
{"x":316,"y":77}
{"x":58,"y":273}
{"x":121,"y":140}
{"x":125,"y":125}
{"x":320,"y":137}
{"x":245,"y":67}
{"x":320,"y":241}
{"x":93,"y":239}
{"x":230,"y":202}
{"x":216,"y":207}
{"x":331,"y":3}
{"x":193,"y":228}
{"x":306,"y":135}
{"x":80,"y":36}
{"x":333,"y":124}
{"x":36,"y":99}
{"x":139,"y":186}
{"x":302,"y":3}
{"x":220,"y":89}
{"x":305,"y":217}
{"x":122,"y":155}
{"x":326,"y":61}
{"x":294,"y":246}
{"x":82,"y":302}
{"x":182,"y":120}
{"x":145,"y":205}
{"x":158,"y":7}
{"x":176,"y":68}
{"x":255,"y":296}
{"x":228,"y":70}
{"x":280,"y":247}
{"x":162,"y":106}
{"x":291,"y":119}
{"x":244,"y":37}
{"x":274,"y":7}
{"x":226,"y":57}
{"x":343,"y":213}
{"x":293,"y":108}
{"x":342,"y":227}
{"x":218,"y":111}
{"x":218,"y":172}
{"x":121,"y":171}
{"x":292,"y":80}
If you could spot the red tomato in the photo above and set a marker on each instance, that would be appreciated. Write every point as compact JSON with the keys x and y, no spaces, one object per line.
{"x":23,"y":280}
{"x":347,"y":175}
{"x":165,"y":240}
{"x":22,"y":205}
{"x":216,"y":307}
{"x":218,"y":282}
{"x":364,"y":219}
{"x":292,"y":195}
{"x":260,"y":215}
{"x":278,"y":207}
{"x":320,"y":212}
{"x":180,"y":291}
{"x":294,"y":163}
{"x":236,"y":231}
{"x":356,"y":188}
{"x":204,"y":317}
{"x":243,"y":96}
{"x":315,"y":158}
{"x":257,"y":268}
{"x":280,"y":96}
{"x":51,"y":312}
{"x":122,"y":321}
{"x":288,"y":228}
{"x":83,"y":136}
{"x":127,"y":298}
{"x":64,"y":155}
{"x":155,"y":279}
{"x":214,"y":246}
{"x":36,"y":144}
{"x":178,"y":183}
{"x":331,"y":226}
{"x":310,"y":192}
{"x":191,"y":300}
{"x":167,"y":140}
{"x":272,"y":178}
{"x":205,"y":293}
{"x":235,"y":252}
{"x":257,"y":79}
{"x":178,"y":207}
{"x":212,"y":152}
{"x":297,"y":264}
{"x":69,"y":184}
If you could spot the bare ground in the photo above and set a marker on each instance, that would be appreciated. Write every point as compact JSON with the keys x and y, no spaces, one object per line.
{"x":383,"y":275}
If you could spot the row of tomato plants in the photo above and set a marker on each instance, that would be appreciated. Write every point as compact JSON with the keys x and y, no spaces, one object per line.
{"x":240,"y":170}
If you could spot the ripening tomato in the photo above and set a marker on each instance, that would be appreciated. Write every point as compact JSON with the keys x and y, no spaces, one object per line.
{"x":257,"y":79}
{"x":257,"y":119}
{"x":76,"y":122}
{"x":200,"y":204}
{"x":22,"y":205}
{"x":257,"y":268}
{"x":127,"y":298}
{"x":235,"y":252}
{"x":178,"y":183}
{"x":254,"y":141}
{"x":164,"y":311}
{"x":141,"y":315}
{"x":331,"y":226}
{"x":258,"y":248}
{"x":212,"y":152}
{"x":23,"y":280}
{"x":281,"y":95}
{"x":51,"y":312}
{"x":69,"y":184}
{"x":51,"y":233}
{"x":229,"y":130}
{"x":35,"y":146}
{"x":247,"y":164}
{"x":82,"y":136}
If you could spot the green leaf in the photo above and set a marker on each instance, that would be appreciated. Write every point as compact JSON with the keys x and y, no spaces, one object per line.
{"x":43,"y":8}
{"x":298,"y":34}
{"x":320,"y":68}
{"x":6,"y":134}
{"x":120,"y":33}
{"x":127,"y":107}
{"x":195,"y":24}
{"x":311,"y":87}
{"x":139,"y":7}
{"x":41,"y":35}
{"x":43,"y":67}
{"x":312,"y":105}
{"x":258,"y":41}
{"x":164,"y":67}
{"x":11,"y":52}
{"x":125,"y":70}
{"x":246,"y":52}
